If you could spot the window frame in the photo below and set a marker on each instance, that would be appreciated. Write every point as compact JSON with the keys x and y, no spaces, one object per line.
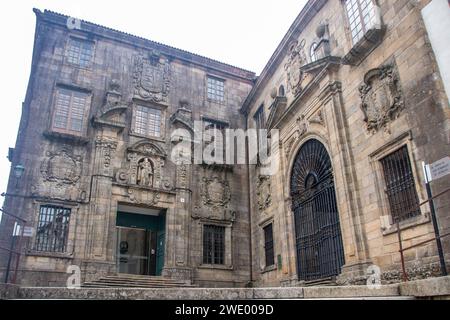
{"x":386,"y":222}
{"x":68,"y":49}
{"x":84,"y":120}
{"x":146,"y":104}
{"x":215,"y":122}
{"x":213,"y":98}
{"x":360,"y":18}
{"x":222,"y":259}
{"x":399,"y":179}
{"x":66,"y":228}
{"x":312,"y":52}
{"x":269,"y":246}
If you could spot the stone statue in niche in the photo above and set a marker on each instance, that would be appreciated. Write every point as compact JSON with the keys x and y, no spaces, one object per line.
{"x":381,"y":97}
{"x":145,"y":173}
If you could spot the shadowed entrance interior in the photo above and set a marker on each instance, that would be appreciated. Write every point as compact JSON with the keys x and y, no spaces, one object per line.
{"x":140,"y":240}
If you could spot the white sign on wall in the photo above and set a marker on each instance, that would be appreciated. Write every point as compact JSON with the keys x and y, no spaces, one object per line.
{"x":438,"y":169}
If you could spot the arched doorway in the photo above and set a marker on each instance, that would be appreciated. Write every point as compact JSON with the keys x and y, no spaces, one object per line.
{"x":320,"y":252}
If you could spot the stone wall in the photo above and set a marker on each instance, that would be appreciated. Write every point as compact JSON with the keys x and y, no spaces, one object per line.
{"x":103,"y":161}
{"x":327,"y":101}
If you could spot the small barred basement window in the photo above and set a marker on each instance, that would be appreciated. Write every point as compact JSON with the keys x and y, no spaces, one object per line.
{"x":53,"y":229}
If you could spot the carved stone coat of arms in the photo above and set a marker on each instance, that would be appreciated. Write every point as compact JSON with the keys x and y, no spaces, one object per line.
{"x":381,"y":97}
{"x":296,"y":59}
{"x":151,"y":77}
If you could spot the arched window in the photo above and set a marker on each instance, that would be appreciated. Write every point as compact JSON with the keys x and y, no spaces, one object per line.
{"x":312,"y":53}
{"x":281,"y":92}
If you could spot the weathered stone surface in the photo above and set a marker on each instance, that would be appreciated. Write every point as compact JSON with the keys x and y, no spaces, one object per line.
{"x":434,"y":287}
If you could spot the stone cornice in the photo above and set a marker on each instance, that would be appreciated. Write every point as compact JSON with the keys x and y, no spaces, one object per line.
{"x":132,"y":40}
{"x":297,"y":27}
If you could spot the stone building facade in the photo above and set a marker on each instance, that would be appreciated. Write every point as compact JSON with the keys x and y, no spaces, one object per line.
{"x":356,"y":95}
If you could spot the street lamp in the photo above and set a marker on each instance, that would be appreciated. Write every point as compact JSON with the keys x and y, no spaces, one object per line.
{"x":18,"y":171}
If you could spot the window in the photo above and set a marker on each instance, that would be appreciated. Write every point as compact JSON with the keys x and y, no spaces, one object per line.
{"x":268,"y":245}
{"x":147,"y":121}
{"x":400,"y":186}
{"x":70,"y":111}
{"x":52,"y":229}
{"x":361,"y":16}
{"x":80,"y":52}
{"x":214,"y":132}
{"x":281,"y":92}
{"x":215,"y":89}
{"x":260,"y":118}
{"x":213,"y":244}
{"x":312,"y":53}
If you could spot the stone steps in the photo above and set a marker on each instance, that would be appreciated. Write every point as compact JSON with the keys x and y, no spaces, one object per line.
{"x":136,"y":281}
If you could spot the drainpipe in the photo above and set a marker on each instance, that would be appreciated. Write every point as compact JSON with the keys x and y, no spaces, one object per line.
{"x":249,"y":209}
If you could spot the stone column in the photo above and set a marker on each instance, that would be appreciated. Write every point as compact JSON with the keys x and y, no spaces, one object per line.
{"x":351,"y":219}
{"x":99,"y":225}
{"x":177,"y":230}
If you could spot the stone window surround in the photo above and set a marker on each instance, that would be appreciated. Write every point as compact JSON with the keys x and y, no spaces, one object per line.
{"x":70,"y":249}
{"x":54,"y":131}
{"x":79,"y":37}
{"x":228,"y":265}
{"x":161,"y":107}
{"x":264,"y":223}
{"x":375,"y":157}
{"x":214,"y":76}
{"x":358,"y":51}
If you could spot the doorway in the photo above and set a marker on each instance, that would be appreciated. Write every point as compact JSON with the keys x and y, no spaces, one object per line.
{"x":320,"y":251}
{"x":140,"y":241}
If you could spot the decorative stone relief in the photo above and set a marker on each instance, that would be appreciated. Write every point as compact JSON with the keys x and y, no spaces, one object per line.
{"x":145,"y":173}
{"x":215,"y":192}
{"x":215,"y":196}
{"x":148,"y":198}
{"x":61,"y":167}
{"x":112,"y":113}
{"x":145,"y":162}
{"x":381,"y":97}
{"x":61,"y":174}
{"x":263,"y":192}
{"x":318,"y":119}
{"x":296,"y":59}
{"x":105,"y":149}
{"x":151,"y":77}
{"x":302,"y":128}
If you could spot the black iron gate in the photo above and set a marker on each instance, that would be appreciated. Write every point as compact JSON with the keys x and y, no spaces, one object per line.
{"x":320,"y":252}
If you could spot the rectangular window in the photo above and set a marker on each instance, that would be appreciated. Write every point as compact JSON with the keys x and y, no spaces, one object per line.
{"x":214,"y":132}
{"x":70,"y":111}
{"x":213,"y":244}
{"x":361,"y":17}
{"x":215,"y":89}
{"x":147,"y":121}
{"x":268,"y":245}
{"x":259,"y":117}
{"x":53,"y":229}
{"x":400,"y":186}
{"x":80,"y":52}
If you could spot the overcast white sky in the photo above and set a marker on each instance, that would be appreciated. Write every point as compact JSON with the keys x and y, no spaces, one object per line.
{"x":243,"y":33}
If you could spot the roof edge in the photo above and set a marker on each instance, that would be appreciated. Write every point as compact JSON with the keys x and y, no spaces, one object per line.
{"x":303,"y":18}
{"x":106,"y":32}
